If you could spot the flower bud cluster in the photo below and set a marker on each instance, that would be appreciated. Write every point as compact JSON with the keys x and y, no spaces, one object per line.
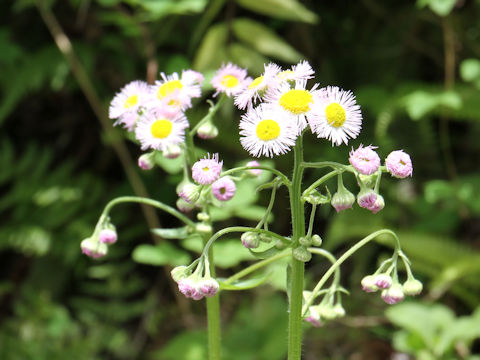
{"x":194,"y":286}
{"x":326,"y":310}
{"x":96,"y":246}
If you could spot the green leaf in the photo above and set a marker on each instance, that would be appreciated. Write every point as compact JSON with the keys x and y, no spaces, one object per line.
{"x":419,"y":103}
{"x":264,"y":40}
{"x":171,"y":166}
{"x":161,"y":254}
{"x":283,"y":9}
{"x":173,"y":233}
{"x":189,"y":345}
{"x":243,"y":284}
{"x":470,"y":70}
{"x":211,"y":52}
{"x":246,"y":57}
{"x":265,"y":253}
{"x":439,"y":7}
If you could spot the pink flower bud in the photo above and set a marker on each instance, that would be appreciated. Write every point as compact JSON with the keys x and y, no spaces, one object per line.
{"x":224,"y":189}
{"x":108,"y":236}
{"x":93,"y":249}
{"x":365,"y":160}
{"x":209,"y":287}
{"x":393,"y":295}
{"x":383,"y":281}
{"x":368,"y":284}
{"x":207,"y":170}
{"x":399,"y":164}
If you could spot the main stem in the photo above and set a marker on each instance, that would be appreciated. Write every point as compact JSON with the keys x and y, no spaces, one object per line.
{"x":298,"y":267}
{"x":213,"y":318}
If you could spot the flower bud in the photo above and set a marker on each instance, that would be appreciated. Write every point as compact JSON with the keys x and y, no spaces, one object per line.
{"x":305,"y":241}
{"x":339,"y":310}
{"x":209,"y":287}
{"x":342,"y":199}
{"x":379,"y":204}
{"x":370,"y":200}
{"x":172,"y":151}
{"x":207,"y":131}
{"x":412,"y":287}
{"x":108,"y":236}
{"x":179,"y":273}
{"x":313,"y":317}
{"x":316,"y":240}
{"x":93,"y":249}
{"x":190,"y":192}
{"x":146,"y":161}
{"x":368,"y":284}
{"x":184,"y":206}
{"x":203,"y":216}
{"x":203,"y":228}
{"x":393,"y":295}
{"x":327,"y":311}
{"x":302,"y":254}
{"x":383,"y":281}
{"x":189,"y":287}
{"x":250,"y":240}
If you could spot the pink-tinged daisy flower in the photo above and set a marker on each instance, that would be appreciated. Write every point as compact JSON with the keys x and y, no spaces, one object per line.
{"x":365,"y":160}
{"x":337,"y":117}
{"x":192,"y":77}
{"x":267,"y":130}
{"x":175,"y":92}
{"x":224,"y":189}
{"x":301,"y":71}
{"x":399,"y":164}
{"x":157,"y":130}
{"x":254,"y":172}
{"x":207,"y":170}
{"x":297,"y":102}
{"x":126,"y":103}
{"x":230,"y":79}
{"x":258,"y":87}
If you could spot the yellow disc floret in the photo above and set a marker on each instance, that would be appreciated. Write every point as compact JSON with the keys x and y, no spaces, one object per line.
{"x":283,"y":75}
{"x":335,"y":114}
{"x":160,"y":129}
{"x":229,"y":81}
{"x":268,"y":130}
{"x":168,"y":88}
{"x":131,"y":101}
{"x":296,"y":101}
{"x":257,"y":81}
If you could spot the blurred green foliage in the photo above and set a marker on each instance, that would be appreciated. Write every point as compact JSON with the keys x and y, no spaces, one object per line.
{"x":415,"y":68}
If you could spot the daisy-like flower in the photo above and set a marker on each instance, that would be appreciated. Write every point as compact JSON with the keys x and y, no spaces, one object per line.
{"x":258,"y":87}
{"x":224,"y":189}
{"x":174,"y":91}
{"x":365,"y":160}
{"x":301,"y":71}
{"x":207,"y":170}
{"x":399,"y":164}
{"x":126,"y":103}
{"x":297,"y":102}
{"x":230,"y":79}
{"x":158,"y":130}
{"x":338,"y":117}
{"x":191,"y":77}
{"x":267,"y":130}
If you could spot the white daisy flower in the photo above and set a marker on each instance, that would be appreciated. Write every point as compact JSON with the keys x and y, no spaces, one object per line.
{"x":267,"y":130}
{"x":301,"y":71}
{"x":337,"y":116}
{"x":126,"y":103}
{"x":230,"y":79}
{"x":258,"y":87}
{"x":175,"y":91}
{"x":158,"y":130}
{"x":297,"y":102}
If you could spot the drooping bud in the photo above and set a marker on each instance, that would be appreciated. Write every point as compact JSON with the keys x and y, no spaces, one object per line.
{"x":108,"y":236}
{"x":327,"y":311}
{"x":339,"y":310}
{"x":301,"y":254}
{"x":189,"y":287}
{"x":412,"y":287}
{"x":313,"y":316}
{"x":370,"y":200}
{"x":383,"y":281}
{"x":208,"y":287}
{"x":305,"y":241}
{"x":93,"y":249}
{"x":317,"y":240}
{"x":393,"y":295}
{"x":250,"y":240}
{"x":203,"y":216}
{"x":146,"y":161}
{"x":342,"y":200}
{"x":190,"y":192}
{"x":368,"y":284}
{"x":207,"y":130}
{"x":172,"y":151}
{"x":184,"y":206}
{"x":179,"y":273}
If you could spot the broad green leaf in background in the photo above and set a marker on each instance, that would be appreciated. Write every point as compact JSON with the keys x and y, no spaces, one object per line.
{"x":211,"y":51}
{"x":470,"y":71}
{"x":439,"y":7}
{"x":283,"y":9}
{"x":246,"y":57}
{"x":420,"y":103}
{"x":264,"y":40}
{"x":162,"y":253}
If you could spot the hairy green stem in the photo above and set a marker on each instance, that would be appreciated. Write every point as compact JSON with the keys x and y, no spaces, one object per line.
{"x":344,"y":257}
{"x":297,"y":267}
{"x":321,"y":181}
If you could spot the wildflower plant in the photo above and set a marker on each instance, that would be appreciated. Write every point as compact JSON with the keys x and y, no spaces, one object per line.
{"x":279,"y":106}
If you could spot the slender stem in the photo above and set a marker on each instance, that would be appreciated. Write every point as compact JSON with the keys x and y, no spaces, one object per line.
{"x":146,"y":201}
{"x":297,"y":267}
{"x":322,"y":180}
{"x":330,"y":257}
{"x":312,"y":219}
{"x":269,"y":209}
{"x":274,"y":171}
{"x":322,"y":164}
{"x":256,"y":266}
{"x":211,"y":112}
{"x":344,"y":257}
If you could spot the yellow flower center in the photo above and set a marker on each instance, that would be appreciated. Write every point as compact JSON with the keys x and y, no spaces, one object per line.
{"x":160,"y":129}
{"x":257,"y":81}
{"x":268,"y":130}
{"x":285,"y":74}
{"x":335,"y":114}
{"x":296,"y":101}
{"x":131,"y":101}
{"x":229,"y":81}
{"x":168,"y":88}
{"x":206,"y":168}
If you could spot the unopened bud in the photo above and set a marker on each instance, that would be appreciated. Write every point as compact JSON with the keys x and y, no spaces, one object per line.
{"x":203,"y":228}
{"x":393,"y":295}
{"x":178,"y":273}
{"x":108,"y":236}
{"x":146,"y":161}
{"x":209,"y":287}
{"x":93,"y":249}
{"x":203,"y":216}
{"x":301,"y":254}
{"x":250,"y":240}
{"x":339,"y":310}
{"x":342,"y":199}
{"x":184,"y":206}
{"x":190,"y":192}
{"x":207,"y":131}
{"x":305,"y":241}
{"x":368,"y":284}
{"x":172,"y":151}
{"x":383,"y":281}
{"x":313,"y":317}
{"x":412,"y":287}
{"x":316,"y":240}
{"x":327,"y":311}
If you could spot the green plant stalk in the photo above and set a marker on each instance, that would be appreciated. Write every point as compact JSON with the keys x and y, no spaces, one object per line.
{"x":297,"y":267}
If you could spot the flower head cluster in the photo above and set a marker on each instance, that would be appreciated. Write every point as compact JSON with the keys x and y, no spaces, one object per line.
{"x":96,"y":246}
{"x":194,"y":286}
